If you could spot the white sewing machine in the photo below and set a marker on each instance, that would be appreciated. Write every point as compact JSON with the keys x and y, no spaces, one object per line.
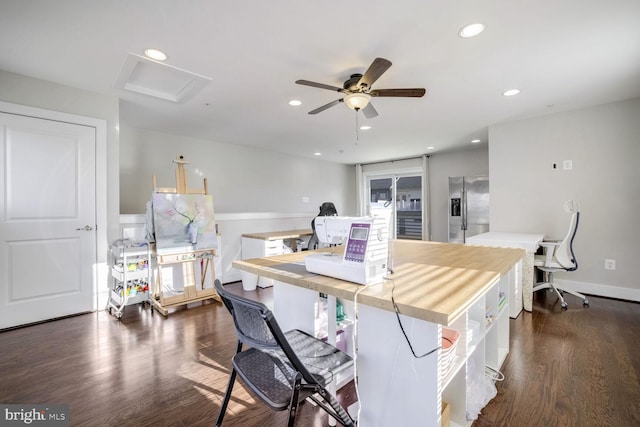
{"x":365,"y":256}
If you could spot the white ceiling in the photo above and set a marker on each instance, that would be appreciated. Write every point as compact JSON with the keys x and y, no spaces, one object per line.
{"x":562,"y":54}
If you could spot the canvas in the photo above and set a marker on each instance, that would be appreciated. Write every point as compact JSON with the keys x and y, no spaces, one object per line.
{"x":183,"y":222}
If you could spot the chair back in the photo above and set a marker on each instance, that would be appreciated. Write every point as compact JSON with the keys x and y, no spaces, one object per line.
{"x":326,"y":209}
{"x":257,"y":327}
{"x":564,"y":253}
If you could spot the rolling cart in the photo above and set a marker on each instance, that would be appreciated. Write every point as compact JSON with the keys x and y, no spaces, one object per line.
{"x":130,"y":275}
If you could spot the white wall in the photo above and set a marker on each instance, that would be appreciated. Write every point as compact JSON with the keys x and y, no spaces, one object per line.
{"x":253,"y":190}
{"x":469,"y":162}
{"x":241,"y":179}
{"x":527,"y":195}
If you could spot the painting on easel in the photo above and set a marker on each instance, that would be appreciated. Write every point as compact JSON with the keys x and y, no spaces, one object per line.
{"x":183,"y":222}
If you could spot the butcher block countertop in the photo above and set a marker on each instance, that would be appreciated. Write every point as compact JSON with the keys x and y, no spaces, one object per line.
{"x":432,"y":281}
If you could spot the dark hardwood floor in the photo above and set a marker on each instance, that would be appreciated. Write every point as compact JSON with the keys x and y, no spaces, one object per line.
{"x":574,"y":368}
{"x":579,"y":367}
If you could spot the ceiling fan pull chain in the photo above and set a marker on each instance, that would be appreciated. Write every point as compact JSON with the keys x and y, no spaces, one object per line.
{"x":357,"y":128}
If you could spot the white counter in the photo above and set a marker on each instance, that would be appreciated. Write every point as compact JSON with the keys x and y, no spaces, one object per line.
{"x":522,"y":296}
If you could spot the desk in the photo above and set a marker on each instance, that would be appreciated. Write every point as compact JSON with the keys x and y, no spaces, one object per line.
{"x":257,"y":245}
{"x":528,"y":241}
{"x":280,"y":235}
{"x":436,"y":284}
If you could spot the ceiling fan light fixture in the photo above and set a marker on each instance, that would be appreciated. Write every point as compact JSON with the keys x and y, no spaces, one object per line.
{"x":357,"y":101}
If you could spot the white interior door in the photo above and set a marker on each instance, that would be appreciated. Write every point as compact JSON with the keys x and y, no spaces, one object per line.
{"x":47,"y":219}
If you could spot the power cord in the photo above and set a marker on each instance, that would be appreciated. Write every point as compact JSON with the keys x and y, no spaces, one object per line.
{"x":355,"y":335}
{"x":493,"y":374}
{"x":397,"y":311}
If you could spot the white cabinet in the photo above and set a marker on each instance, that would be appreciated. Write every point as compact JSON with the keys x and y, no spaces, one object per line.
{"x":385,"y":362}
{"x":258,"y":248}
{"x":402,"y":376}
{"x":483,"y":341}
{"x":259,"y":245}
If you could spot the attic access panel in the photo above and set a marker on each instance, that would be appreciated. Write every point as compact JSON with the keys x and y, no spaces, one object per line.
{"x":152,"y":78}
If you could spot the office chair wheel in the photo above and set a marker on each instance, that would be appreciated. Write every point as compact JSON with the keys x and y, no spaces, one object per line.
{"x":564,"y":305}
{"x":585,"y":303}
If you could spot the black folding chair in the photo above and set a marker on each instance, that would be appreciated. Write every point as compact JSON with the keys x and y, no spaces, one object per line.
{"x":281,"y":368}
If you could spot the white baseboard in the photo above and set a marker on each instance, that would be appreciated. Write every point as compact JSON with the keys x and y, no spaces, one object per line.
{"x":601,"y":290}
{"x":102,"y":299}
{"x":232,"y":276}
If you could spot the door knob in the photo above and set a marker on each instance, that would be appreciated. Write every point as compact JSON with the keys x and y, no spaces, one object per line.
{"x":85,"y":228}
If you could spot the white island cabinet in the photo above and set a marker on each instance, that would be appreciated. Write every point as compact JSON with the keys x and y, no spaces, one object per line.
{"x":435,"y":286}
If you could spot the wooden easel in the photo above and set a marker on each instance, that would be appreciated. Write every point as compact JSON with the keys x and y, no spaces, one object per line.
{"x":181,"y":181}
{"x":187,"y":259}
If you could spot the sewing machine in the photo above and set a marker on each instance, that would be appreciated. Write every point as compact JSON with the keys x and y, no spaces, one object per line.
{"x":365,"y":255}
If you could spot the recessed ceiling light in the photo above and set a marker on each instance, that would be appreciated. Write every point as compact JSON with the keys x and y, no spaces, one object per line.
{"x":295,"y":102}
{"x":155,"y":54}
{"x":365,"y":127}
{"x":511,"y":92}
{"x":475,"y":141}
{"x":471,"y":30}
{"x":317,"y":154}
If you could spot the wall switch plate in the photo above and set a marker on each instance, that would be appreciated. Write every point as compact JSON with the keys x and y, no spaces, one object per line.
{"x":567,"y":165}
{"x":609,"y":264}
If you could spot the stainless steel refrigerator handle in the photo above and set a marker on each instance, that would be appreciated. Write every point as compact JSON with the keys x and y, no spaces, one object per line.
{"x":464,"y":209}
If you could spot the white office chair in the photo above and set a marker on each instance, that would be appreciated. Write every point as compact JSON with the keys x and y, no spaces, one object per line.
{"x":559,"y":256}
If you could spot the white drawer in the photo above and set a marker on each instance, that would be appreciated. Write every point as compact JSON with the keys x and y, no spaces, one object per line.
{"x":273,"y":247}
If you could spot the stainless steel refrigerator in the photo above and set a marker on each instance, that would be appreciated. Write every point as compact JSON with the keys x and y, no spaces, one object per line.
{"x":468,"y":207}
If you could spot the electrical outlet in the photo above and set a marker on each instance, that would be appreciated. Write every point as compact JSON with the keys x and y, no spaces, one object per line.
{"x":609,"y":264}
{"x":567,"y":165}
{"x":305,"y":199}
{"x":554,"y":166}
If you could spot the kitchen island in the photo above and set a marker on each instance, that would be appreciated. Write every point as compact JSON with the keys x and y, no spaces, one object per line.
{"x":434,"y":286}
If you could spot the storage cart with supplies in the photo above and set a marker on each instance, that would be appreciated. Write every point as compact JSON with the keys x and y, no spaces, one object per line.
{"x":130,"y":275}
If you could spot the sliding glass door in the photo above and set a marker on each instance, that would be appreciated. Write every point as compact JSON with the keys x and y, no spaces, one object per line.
{"x":405,"y":194}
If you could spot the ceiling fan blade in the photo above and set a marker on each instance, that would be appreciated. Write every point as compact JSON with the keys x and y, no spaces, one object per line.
{"x":319,"y":85}
{"x":411,"y":93}
{"x":375,"y":70}
{"x":369,"y":111}
{"x":325,"y":107}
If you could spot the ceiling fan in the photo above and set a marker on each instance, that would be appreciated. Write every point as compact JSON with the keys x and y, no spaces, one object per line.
{"x":358,"y":89}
